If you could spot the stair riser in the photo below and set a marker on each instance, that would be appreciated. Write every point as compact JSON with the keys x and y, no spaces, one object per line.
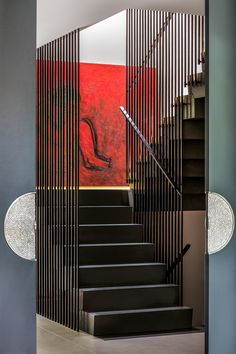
{"x":191,"y":201}
{"x":103,"y":215}
{"x":193,"y":149}
{"x":89,"y":255}
{"x":194,"y":202}
{"x":200,"y":106}
{"x":135,"y":323}
{"x":128,"y":299}
{"x":98,"y":255}
{"x":193,"y":129}
{"x":109,"y":234}
{"x":103,"y":197}
{"x":194,"y":185}
{"x":118,"y":276}
{"x":193,"y":168}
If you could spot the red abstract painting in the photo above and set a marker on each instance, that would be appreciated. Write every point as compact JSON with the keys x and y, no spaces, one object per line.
{"x":102,"y":127}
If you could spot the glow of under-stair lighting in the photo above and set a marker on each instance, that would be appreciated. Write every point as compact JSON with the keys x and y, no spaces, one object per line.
{"x":221,"y":222}
{"x":19,"y":226}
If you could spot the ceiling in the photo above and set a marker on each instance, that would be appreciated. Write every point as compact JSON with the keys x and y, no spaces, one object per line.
{"x":58,"y":17}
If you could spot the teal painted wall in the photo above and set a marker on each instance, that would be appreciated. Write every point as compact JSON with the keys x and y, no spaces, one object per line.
{"x":222,"y":169}
{"x":17,"y":168}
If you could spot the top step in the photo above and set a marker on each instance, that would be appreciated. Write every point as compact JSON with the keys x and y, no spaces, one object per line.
{"x":96,"y":197}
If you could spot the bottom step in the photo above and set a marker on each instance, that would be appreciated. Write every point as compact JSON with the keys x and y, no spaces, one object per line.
{"x":154,"y":320}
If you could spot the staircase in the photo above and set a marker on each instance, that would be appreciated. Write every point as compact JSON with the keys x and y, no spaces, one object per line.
{"x":123,"y":290}
{"x":192,"y":108}
{"x":194,"y":148}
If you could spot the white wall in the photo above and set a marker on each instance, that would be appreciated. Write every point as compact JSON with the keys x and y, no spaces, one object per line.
{"x":58,"y":17}
{"x":105,"y":42}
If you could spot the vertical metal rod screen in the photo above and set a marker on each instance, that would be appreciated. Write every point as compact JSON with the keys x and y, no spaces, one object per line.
{"x":165,"y":54}
{"x":58,"y":180}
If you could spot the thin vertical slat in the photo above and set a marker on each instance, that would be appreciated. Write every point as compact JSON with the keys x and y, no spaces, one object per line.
{"x":54,"y":183}
{"x":77,"y":179}
{"x":45,"y":183}
{"x":60,"y":190}
{"x":50,"y":176}
{"x":169,"y":44}
{"x":57,"y":179}
{"x":127,"y":86}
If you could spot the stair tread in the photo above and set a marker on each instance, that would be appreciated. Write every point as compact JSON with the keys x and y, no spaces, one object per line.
{"x":155,"y":309}
{"x":122,"y":265}
{"x":151,"y":286}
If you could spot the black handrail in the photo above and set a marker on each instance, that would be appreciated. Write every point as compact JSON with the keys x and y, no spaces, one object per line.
{"x":149,"y":148}
{"x":178,"y":260}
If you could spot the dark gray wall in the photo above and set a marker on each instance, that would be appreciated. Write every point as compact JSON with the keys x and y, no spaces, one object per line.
{"x":222,"y":169}
{"x":17,"y":168}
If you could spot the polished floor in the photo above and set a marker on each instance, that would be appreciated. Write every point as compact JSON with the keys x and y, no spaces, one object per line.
{"x":56,"y":339}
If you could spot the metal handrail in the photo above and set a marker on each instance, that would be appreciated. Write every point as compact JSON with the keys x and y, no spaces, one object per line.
{"x":179,"y":259}
{"x":149,"y":148}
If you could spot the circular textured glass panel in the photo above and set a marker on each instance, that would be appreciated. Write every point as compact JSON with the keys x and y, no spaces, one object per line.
{"x":220,"y":222}
{"x":19,"y":226}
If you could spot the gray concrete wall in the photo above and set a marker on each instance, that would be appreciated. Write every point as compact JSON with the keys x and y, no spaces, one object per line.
{"x":193,"y":276}
{"x":17,"y":168}
{"x":222,"y":169}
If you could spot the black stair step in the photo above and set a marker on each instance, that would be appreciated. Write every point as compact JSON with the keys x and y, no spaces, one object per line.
{"x":122,"y":274}
{"x":193,"y":149}
{"x":154,"y":320}
{"x":116,"y":253}
{"x":103,"y":197}
{"x":110,"y":233}
{"x":199,"y":106}
{"x":193,"y":185}
{"x":193,"y":168}
{"x":105,"y":214}
{"x":193,"y":128}
{"x":194,"y":201}
{"x":128,"y":297}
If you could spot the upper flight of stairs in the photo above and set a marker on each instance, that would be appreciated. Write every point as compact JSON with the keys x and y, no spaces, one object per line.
{"x":193,"y":143}
{"x":123,"y":290}
{"x":194,"y":148}
{"x":194,"y":160}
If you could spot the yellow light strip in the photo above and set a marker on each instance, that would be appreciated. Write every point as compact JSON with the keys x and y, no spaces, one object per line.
{"x":56,"y":188}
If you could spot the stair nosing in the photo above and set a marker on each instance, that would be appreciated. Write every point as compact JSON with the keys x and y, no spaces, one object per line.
{"x":154,"y":309}
{"x":121,"y":244}
{"x":122,"y":265}
{"x":129,"y":287}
